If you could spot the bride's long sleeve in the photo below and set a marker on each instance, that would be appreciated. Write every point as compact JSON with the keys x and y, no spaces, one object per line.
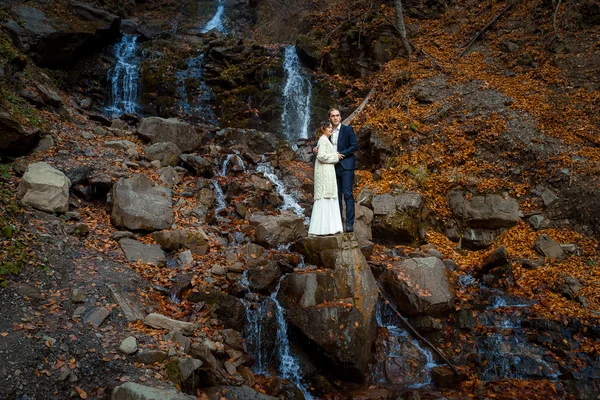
{"x":325,"y":154}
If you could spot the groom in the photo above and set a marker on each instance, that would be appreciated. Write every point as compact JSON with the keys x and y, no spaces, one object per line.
{"x":345,"y":144}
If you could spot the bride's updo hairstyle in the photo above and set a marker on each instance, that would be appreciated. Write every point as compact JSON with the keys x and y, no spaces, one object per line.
{"x":322,"y":128}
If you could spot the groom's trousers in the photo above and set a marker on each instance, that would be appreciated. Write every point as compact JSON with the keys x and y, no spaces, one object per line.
{"x":345,"y":183}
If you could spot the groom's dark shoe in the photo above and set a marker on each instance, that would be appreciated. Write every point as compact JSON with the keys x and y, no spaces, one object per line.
{"x":349,"y":228}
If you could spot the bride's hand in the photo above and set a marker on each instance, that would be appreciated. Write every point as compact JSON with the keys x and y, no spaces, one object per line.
{"x":340,"y":156}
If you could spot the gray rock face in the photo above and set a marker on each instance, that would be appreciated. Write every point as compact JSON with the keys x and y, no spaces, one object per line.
{"x":420,"y":286}
{"x":45,"y":188}
{"x":334,"y":309}
{"x":483,"y":218}
{"x":49,"y":95}
{"x":128,"y":345}
{"x":137,"y":251}
{"x":229,"y":309}
{"x":167,"y":153}
{"x":14,"y":140}
{"x":264,"y":277}
{"x":198,"y":165}
{"x":119,"y":144}
{"x":546,"y":246}
{"x":158,"y":130}
{"x":273,"y":230}
{"x":214,"y":370}
{"x":89,"y":13}
{"x":139,"y":205}
{"x":134,"y":391}
{"x":397,"y":218}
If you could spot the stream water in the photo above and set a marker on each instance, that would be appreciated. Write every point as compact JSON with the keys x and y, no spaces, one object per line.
{"x":196,"y":104}
{"x":289,"y":201}
{"x":123,"y":78}
{"x":216,"y":22}
{"x":296,"y":93}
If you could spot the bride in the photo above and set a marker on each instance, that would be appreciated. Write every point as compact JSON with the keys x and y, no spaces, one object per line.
{"x":325,"y":218}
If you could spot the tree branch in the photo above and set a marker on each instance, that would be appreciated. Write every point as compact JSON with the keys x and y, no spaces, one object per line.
{"x":554,"y":19}
{"x":485,"y":28}
{"x":361,"y":106}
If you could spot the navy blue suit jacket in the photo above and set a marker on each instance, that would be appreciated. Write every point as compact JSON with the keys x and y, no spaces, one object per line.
{"x":347,"y":145}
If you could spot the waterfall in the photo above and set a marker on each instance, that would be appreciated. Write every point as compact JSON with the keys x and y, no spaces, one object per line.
{"x":217,"y":20}
{"x":400,"y":339}
{"x":289,"y":202}
{"x":227,"y":161}
{"x":219,"y":197}
{"x":296,"y":93}
{"x":123,"y":77}
{"x":202,"y":95}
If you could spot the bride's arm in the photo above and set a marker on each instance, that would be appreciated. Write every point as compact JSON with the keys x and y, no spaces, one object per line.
{"x":326,"y":155}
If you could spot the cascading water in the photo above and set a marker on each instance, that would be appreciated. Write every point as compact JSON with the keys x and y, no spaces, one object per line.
{"x":296,"y":92}
{"x":399,"y":345}
{"x":216,"y":21}
{"x":289,"y":202}
{"x":123,"y":77}
{"x":201,"y":96}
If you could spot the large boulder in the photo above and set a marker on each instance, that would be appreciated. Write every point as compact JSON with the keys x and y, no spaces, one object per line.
{"x":229,"y":309}
{"x":420,"y":286}
{"x":235,"y":392}
{"x":158,"y":130}
{"x":483,"y":218}
{"x":398,"y":218}
{"x":140,"y":205}
{"x":45,"y":188}
{"x":335,"y":308}
{"x":14,"y":140}
{"x":275,"y":230}
{"x":135,"y":391}
{"x":167,"y":153}
{"x":198,"y":165}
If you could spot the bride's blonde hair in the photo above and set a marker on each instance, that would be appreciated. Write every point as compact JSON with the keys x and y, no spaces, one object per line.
{"x":322,"y":128}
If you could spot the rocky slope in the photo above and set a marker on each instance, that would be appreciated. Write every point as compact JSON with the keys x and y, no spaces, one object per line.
{"x":152,"y":257}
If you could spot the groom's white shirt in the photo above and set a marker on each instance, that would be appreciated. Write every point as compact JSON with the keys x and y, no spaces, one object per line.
{"x":334,"y":137}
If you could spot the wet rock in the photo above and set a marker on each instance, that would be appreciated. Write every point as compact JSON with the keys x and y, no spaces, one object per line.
{"x":134,"y":391}
{"x":546,"y":246}
{"x":198,"y":165}
{"x":150,"y":356}
{"x":334,"y":309}
{"x":137,"y":251}
{"x":160,"y":130}
{"x":140,"y":205}
{"x":196,"y":241}
{"x":496,"y":258}
{"x":167,"y":153}
{"x":45,"y":188}
{"x":229,"y":309}
{"x":128,"y":345}
{"x":264,"y":277}
{"x":233,"y":338}
{"x":45,"y":143}
{"x":250,"y":140}
{"x":235,"y":392}
{"x":274,"y":230}
{"x":159,"y":321}
{"x":444,"y":377}
{"x":215,"y":373}
{"x":420,"y":286}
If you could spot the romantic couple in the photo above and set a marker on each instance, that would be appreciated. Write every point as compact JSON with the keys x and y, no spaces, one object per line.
{"x":334,"y":176}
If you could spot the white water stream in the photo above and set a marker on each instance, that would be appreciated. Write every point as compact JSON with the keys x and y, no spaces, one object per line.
{"x":123,"y":77}
{"x":297,"y":93}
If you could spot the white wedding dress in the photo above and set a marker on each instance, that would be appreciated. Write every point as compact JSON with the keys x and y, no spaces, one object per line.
{"x":325,"y":218}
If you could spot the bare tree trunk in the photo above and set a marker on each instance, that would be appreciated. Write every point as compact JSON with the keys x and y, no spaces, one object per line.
{"x":401,"y":26}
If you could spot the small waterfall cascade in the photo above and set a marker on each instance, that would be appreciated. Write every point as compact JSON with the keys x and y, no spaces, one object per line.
{"x":263,"y":317}
{"x":216,"y":21}
{"x":123,"y":77}
{"x":197,"y":103}
{"x":399,"y":351}
{"x":289,"y":202}
{"x":227,"y":162}
{"x":296,"y":93}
